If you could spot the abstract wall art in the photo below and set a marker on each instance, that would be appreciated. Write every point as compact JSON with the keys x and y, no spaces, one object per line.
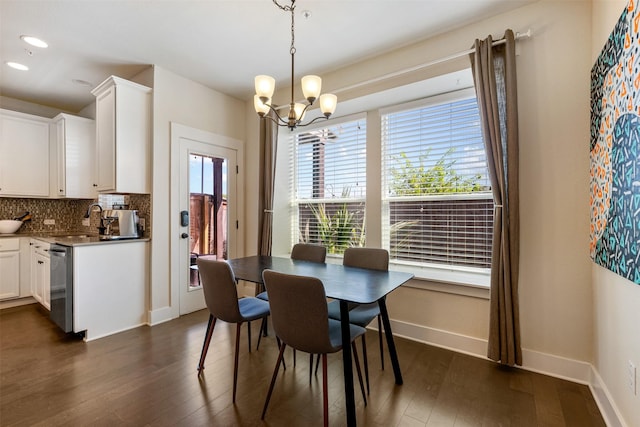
{"x":615,"y":150}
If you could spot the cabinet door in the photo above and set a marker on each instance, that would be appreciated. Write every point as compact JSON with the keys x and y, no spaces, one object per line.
{"x":105,"y":168}
{"x":24,"y":155}
{"x":42,"y":280}
{"x":9,"y":274}
{"x":75,"y":142}
{"x":46,"y":281}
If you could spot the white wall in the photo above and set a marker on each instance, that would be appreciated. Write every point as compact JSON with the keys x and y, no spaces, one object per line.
{"x":616,"y":300}
{"x":179,"y":100}
{"x":556,"y":300}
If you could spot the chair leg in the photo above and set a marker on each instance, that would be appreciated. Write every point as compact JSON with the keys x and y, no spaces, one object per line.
{"x":366,"y":361}
{"x":380,"y":341}
{"x":358,"y":370}
{"x":273,"y":380}
{"x":207,"y":340}
{"x":317,"y":363}
{"x":325,"y":392}
{"x":294,"y":357}
{"x":249,"y":335}
{"x":262,"y":326}
{"x":235,"y":363}
{"x":284,"y":364}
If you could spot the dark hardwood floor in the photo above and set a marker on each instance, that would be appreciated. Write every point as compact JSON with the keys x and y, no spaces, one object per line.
{"x":147,"y":376}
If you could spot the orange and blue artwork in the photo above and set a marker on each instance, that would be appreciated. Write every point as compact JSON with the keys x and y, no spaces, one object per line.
{"x":615,"y":150}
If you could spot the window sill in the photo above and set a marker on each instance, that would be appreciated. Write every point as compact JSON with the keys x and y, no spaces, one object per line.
{"x":471,"y":283}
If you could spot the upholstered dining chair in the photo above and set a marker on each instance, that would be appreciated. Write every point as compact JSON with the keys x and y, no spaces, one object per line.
{"x":304,"y":252}
{"x":221,"y":297}
{"x":305,"y":325}
{"x":363,"y":314}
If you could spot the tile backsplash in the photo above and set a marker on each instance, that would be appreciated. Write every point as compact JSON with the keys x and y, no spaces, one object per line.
{"x":68,"y":214}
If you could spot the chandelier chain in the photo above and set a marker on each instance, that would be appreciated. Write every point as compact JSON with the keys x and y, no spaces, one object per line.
{"x":290,"y":8}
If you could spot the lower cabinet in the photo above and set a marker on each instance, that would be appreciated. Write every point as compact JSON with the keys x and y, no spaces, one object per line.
{"x":9,"y":268}
{"x":40,"y":275}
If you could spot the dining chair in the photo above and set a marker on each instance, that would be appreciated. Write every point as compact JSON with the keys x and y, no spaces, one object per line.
{"x":363,"y":314}
{"x":305,"y":325}
{"x":304,"y":252}
{"x":221,"y":297}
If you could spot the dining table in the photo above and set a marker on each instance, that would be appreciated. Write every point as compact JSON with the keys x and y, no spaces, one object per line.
{"x":345,"y":284}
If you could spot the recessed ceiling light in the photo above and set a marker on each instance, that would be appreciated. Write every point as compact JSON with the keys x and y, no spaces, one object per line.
{"x":17,"y":66}
{"x":34,"y":41}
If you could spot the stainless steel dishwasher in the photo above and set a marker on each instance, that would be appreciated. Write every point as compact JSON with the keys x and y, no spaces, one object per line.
{"x":61,"y":258}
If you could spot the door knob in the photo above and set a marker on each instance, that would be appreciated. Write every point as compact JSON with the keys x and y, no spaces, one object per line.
{"x":184,"y":235}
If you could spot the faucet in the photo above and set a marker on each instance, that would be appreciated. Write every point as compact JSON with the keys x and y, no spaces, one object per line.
{"x":91,"y":206}
{"x":103,"y":229}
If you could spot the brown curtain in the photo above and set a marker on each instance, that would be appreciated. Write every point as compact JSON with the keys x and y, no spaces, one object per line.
{"x":268,"y":148}
{"x":494,"y":74}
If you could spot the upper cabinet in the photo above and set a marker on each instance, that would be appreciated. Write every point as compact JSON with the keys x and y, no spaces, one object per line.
{"x":75,"y":142}
{"x":24,"y":155}
{"x":123,"y":133}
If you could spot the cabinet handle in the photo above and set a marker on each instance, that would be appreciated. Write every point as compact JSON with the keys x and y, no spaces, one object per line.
{"x":95,"y":185}
{"x":40,"y":262}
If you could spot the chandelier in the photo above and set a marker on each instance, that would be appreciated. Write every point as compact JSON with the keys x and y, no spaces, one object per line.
{"x":265,"y":86}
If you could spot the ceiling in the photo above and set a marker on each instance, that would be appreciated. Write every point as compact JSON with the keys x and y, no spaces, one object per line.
{"x":222,"y":44}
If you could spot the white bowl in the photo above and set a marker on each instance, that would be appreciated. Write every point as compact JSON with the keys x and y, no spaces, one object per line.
{"x":9,"y":226}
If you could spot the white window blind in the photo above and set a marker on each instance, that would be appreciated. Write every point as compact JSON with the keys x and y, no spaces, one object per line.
{"x":329,"y":185}
{"x":437,"y":195}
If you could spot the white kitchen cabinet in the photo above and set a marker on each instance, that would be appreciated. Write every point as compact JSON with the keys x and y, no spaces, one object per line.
{"x":123,"y":134}
{"x":75,"y":142}
{"x":40,"y":272}
{"x":24,"y":155}
{"x":9,"y":268}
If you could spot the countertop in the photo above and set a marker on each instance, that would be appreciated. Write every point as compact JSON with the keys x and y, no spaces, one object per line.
{"x":75,"y":238}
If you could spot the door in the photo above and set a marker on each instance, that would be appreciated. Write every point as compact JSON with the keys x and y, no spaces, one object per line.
{"x":204,"y":217}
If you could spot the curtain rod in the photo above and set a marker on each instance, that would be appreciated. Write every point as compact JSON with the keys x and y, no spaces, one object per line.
{"x":425,"y":65}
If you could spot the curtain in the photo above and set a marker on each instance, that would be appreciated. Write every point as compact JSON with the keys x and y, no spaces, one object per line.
{"x":494,"y":74}
{"x":268,"y":148}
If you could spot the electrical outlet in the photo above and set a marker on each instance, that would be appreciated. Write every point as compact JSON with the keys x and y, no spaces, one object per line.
{"x":86,"y":222}
{"x":142,"y":223}
{"x":49,"y":222}
{"x":632,"y":377}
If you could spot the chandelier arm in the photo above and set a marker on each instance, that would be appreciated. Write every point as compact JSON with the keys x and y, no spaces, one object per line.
{"x":280,"y":121}
{"x":313,"y":121}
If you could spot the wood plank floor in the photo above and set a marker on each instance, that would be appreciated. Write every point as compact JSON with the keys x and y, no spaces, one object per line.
{"x":147,"y":377}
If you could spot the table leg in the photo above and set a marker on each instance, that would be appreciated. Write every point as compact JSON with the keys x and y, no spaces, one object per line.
{"x":393,"y":354}
{"x":347,"y":364}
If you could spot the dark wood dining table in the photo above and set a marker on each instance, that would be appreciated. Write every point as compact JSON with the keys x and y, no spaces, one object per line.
{"x":346,"y":284}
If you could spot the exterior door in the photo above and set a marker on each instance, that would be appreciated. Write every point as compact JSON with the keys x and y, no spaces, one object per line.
{"x":204,"y":217}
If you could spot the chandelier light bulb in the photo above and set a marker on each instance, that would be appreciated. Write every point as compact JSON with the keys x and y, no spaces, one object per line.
{"x":311,"y":86}
{"x":300,"y":110}
{"x":261,"y":107}
{"x":265,"y":86}
{"x":328,"y":103}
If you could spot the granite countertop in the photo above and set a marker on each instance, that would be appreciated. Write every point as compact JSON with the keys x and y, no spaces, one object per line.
{"x":76,"y":238}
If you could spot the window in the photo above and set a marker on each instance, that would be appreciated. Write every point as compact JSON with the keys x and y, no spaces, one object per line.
{"x":437,"y":201}
{"x":422,"y":177}
{"x":329,"y":184}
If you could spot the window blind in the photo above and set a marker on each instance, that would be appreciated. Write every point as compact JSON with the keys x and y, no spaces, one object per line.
{"x":437,"y":193}
{"x":330,"y":185}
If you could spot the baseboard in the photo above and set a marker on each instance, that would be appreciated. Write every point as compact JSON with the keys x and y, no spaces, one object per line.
{"x":605,"y":403}
{"x":17,"y":302}
{"x":160,"y":315}
{"x":535,"y":361}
